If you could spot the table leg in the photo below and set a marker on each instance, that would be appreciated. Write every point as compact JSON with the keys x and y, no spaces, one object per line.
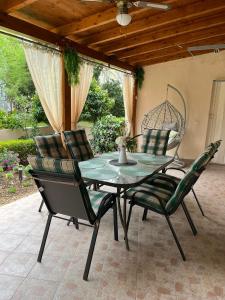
{"x":123,"y":216}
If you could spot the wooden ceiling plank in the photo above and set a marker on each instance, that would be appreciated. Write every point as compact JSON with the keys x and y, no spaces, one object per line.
{"x":195,"y":36}
{"x":166,"y":32}
{"x":23,"y":27}
{"x":199,"y":8}
{"x":173,"y":49}
{"x":96,"y":20}
{"x":12,"y":5}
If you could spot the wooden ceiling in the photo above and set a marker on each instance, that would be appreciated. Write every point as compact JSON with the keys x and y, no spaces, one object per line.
{"x":152,"y":37}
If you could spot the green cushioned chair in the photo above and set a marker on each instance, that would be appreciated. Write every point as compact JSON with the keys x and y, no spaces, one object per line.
{"x":199,"y":165}
{"x":164,"y":201}
{"x":64,"y":192}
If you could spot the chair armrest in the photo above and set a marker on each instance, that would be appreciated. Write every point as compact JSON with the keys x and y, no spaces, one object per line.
{"x":177,"y":169}
{"x":159,"y":176}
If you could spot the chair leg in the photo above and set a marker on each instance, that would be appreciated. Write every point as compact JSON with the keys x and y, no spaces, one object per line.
{"x":193,"y":228}
{"x":129,"y":216}
{"x":175,"y":237}
{"x":115,"y":221}
{"x":91,"y":250}
{"x":44,"y":237}
{"x":40,"y":208}
{"x":199,"y":205}
{"x":70,"y":220}
{"x":75,"y":222}
{"x":144,"y":217}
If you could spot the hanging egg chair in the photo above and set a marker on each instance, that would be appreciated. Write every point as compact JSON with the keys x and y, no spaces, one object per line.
{"x":167,"y":116}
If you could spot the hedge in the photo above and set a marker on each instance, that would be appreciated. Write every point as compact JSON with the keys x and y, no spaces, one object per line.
{"x":22,"y":147}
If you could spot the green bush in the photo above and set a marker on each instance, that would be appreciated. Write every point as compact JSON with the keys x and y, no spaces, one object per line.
{"x":22,"y":147}
{"x":104,"y":132}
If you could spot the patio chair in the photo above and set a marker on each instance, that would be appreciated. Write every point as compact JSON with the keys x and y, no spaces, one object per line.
{"x":164,"y":201}
{"x":164,"y":180}
{"x":64,"y":192}
{"x":77,"y":144}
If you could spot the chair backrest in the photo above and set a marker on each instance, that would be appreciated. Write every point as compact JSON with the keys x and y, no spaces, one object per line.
{"x":181,"y":191}
{"x":62,"y":188}
{"x":50,"y":146}
{"x":78,"y":145}
{"x":155,"y":141}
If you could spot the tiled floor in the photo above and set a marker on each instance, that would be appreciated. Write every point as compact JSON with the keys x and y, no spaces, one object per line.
{"x":153,"y":269}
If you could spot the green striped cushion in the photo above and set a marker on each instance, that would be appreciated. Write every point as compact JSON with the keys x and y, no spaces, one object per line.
{"x":182,"y":190}
{"x":50,"y":146}
{"x":141,"y":197}
{"x":48,"y":164}
{"x":201,"y":161}
{"x":96,"y":198}
{"x":162,"y":180}
{"x":78,"y":145}
{"x":155,"y":141}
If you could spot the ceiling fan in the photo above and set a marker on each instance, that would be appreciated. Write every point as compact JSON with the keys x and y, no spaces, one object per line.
{"x":123,"y":18}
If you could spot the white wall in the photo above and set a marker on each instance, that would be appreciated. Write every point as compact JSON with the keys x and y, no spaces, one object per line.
{"x":194,"y":78}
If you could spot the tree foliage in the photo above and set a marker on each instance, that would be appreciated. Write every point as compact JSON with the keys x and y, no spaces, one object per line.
{"x":98,"y":103}
{"x":113,"y":87}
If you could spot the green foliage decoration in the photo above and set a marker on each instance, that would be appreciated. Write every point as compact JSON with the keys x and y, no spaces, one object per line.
{"x":12,"y":190}
{"x":22,"y":147}
{"x":139,"y":76}
{"x":72,"y":63}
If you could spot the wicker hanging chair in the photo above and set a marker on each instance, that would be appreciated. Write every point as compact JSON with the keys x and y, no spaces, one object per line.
{"x":167,"y":116}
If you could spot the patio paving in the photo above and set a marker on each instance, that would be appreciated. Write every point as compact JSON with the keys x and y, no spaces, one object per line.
{"x":153,"y":269}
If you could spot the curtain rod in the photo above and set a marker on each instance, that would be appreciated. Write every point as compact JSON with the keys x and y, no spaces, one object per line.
{"x":57,"y":50}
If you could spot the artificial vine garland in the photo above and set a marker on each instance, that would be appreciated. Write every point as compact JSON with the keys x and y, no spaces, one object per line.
{"x":139,"y":76}
{"x":72,"y":63}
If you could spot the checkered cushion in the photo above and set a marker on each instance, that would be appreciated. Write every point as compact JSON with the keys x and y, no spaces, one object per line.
{"x":62,"y":166}
{"x":141,"y":197}
{"x":50,"y":146}
{"x":78,"y":145}
{"x":201,"y":161}
{"x":181,"y":191}
{"x":155,"y":141}
{"x":163,"y":180}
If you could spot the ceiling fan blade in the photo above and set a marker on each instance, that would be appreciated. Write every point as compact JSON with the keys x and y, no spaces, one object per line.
{"x":152,"y":5}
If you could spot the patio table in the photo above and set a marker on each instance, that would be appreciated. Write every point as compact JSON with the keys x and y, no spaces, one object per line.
{"x":99,"y":170}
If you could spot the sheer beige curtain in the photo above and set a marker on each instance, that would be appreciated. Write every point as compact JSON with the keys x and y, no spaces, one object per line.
{"x":128,"y":92}
{"x":79,"y":93}
{"x":46,"y":68}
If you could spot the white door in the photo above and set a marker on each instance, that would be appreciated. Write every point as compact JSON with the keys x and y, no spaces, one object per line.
{"x":216,"y":125}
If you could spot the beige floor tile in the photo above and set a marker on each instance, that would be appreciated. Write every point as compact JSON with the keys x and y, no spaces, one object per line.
{"x":8,"y":286}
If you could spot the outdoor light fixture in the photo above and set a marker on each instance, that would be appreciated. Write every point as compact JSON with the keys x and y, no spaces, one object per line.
{"x":123,"y":18}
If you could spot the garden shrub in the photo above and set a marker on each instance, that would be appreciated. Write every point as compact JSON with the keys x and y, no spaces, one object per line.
{"x":22,"y":147}
{"x":104,"y":132}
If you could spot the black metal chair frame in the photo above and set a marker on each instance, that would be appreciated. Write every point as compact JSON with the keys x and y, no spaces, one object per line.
{"x":165,"y":213}
{"x":58,"y":180}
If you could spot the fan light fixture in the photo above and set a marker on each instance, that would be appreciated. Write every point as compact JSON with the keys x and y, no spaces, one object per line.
{"x":123,"y":19}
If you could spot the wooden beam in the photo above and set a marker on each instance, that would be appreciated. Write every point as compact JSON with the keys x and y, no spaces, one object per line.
{"x":171,"y":50}
{"x":199,"y":8}
{"x":135,"y":99}
{"x":47,"y":36}
{"x":96,"y":20}
{"x":9,"y":6}
{"x":165,"y":32}
{"x":170,"y":57}
{"x":176,"y":40}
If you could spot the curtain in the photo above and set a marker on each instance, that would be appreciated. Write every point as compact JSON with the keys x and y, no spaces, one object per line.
{"x":128,"y":98}
{"x":79,"y":93}
{"x":46,"y":68}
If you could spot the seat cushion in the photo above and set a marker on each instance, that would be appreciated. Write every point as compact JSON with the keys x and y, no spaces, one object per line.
{"x":155,"y":141}
{"x":141,"y":197}
{"x":96,"y":198}
{"x":78,"y":145}
{"x":50,"y":146}
{"x":163,"y":180}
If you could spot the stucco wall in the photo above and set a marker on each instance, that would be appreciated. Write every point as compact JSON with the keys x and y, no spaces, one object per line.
{"x":194,"y":78}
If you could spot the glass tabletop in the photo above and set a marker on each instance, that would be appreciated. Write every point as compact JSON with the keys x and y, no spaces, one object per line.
{"x":100,"y":170}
